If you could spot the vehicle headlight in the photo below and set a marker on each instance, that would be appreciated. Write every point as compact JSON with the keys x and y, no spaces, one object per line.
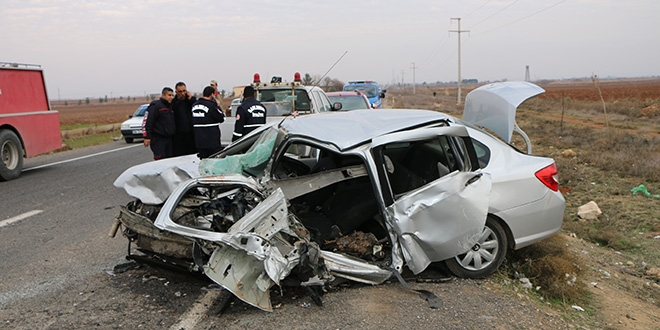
{"x":125,"y":126}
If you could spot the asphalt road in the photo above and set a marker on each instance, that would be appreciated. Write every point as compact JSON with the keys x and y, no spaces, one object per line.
{"x":57,"y":270}
{"x":67,"y":202}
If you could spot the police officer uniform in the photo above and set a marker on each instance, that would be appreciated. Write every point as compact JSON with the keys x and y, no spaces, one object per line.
{"x":250,"y":115}
{"x":206,"y":118}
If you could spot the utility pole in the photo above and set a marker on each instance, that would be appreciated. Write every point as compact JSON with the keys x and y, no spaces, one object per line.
{"x":403,"y":83}
{"x":459,"y":31}
{"x":413,"y":68}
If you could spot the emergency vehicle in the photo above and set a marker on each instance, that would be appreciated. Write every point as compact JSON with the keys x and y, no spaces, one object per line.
{"x":281,"y":99}
{"x":28,"y":126}
{"x":370,"y":89}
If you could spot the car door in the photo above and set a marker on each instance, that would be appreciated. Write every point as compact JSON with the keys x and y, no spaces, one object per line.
{"x":436,"y":197}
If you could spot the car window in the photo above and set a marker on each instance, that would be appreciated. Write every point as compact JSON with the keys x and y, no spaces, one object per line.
{"x":350,"y":102}
{"x":483,"y":153}
{"x":368,"y":90}
{"x":411,"y":165}
{"x":321,"y":101}
{"x":141,"y":110}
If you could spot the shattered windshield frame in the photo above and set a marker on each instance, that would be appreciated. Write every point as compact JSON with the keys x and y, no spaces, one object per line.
{"x":251,"y":163}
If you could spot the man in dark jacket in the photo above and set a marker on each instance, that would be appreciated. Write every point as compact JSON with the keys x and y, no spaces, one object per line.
{"x":183,"y":142}
{"x":206,"y":118}
{"x":249,"y":115}
{"x":159,"y":126}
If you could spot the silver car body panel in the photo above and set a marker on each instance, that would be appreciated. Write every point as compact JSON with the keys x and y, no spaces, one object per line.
{"x":542,"y":213}
{"x":252,"y":256}
{"x":153,"y":182}
{"x":354,"y":269}
{"x":443,"y":218}
{"x":349,"y":129}
{"x":493,"y":106}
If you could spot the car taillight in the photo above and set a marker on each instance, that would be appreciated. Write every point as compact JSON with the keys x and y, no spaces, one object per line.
{"x":548,"y":176}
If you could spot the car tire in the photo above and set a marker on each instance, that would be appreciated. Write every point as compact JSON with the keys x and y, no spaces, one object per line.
{"x":11,"y":155}
{"x":128,"y":139}
{"x":485,"y":257}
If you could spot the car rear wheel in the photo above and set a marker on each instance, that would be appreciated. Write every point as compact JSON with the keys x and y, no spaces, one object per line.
{"x":128,"y":139}
{"x":485,"y":256}
{"x":11,"y":155}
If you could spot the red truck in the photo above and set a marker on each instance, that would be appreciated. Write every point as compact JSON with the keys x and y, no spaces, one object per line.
{"x":28,"y":126}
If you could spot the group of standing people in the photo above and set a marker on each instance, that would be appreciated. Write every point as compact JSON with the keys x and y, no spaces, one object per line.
{"x":182,"y":124}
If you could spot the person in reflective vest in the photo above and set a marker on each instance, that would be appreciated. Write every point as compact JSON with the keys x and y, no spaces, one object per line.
{"x":207,"y":117}
{"x":250,"y":115}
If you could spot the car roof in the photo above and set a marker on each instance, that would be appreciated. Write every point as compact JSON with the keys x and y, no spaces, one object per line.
{"x":345,"y":93}
{"x":347,"y":129}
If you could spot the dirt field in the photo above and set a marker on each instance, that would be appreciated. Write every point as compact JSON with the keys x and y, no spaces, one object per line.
{"x":112,"y":112}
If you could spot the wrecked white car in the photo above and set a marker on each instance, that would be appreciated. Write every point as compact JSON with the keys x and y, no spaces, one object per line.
{"x":355,"y":195}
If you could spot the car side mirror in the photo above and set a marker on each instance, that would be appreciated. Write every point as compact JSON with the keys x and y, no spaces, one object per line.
{"x":382,"y":94}
{"x":336,"y":106}
{"x":130,"y":116}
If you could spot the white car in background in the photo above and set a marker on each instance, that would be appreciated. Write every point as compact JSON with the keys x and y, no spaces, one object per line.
{"x":132,"y":128}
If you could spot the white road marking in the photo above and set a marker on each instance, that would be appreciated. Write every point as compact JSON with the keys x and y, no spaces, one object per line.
{"x":79,"y":158}
{"x":197,"y":311}
{"x":19,"y":217}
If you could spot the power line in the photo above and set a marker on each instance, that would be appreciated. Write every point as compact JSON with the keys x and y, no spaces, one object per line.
{"x":523,"y":18}
{"x":472,"y":12}
{"x":497,"y":12}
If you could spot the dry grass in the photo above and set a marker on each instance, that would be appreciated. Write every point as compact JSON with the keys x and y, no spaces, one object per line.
{"x":551,"y":267}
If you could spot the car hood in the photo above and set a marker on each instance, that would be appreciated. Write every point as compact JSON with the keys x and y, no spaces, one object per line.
{"x":153,"y":182}
{"x":493,"y":106}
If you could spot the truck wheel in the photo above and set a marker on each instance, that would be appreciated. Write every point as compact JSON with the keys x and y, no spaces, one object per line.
{"x":11,"y":154}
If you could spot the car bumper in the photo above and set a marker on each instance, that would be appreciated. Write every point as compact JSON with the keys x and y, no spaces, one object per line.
{"x":132,"y":133}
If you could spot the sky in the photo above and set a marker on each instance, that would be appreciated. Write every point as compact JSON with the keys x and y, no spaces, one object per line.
{"x":136,"y":47}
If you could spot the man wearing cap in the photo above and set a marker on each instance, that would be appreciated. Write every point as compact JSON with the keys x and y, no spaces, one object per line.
{"x":216,"y":95}
{"x":206,"y":117}
{"x":250,"y":115}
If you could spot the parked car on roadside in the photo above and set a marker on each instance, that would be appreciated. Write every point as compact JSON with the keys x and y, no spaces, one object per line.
{"x":132,"y":128}
{"x":355,"y":195}
{"x":354,"y":100}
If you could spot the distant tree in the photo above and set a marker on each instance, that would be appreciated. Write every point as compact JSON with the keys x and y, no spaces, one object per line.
{"x":331,"y":85}
{"x":105,"y":99}
{"x":66,"y":103}
{"x":222,"y":93}
{"x":307,"y":80}
{"x":87,"y":100}
{"x":100,"y":100}
{"x":128,"y":98}
{"x":121,"y":98}
{"x":79,"y":102}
